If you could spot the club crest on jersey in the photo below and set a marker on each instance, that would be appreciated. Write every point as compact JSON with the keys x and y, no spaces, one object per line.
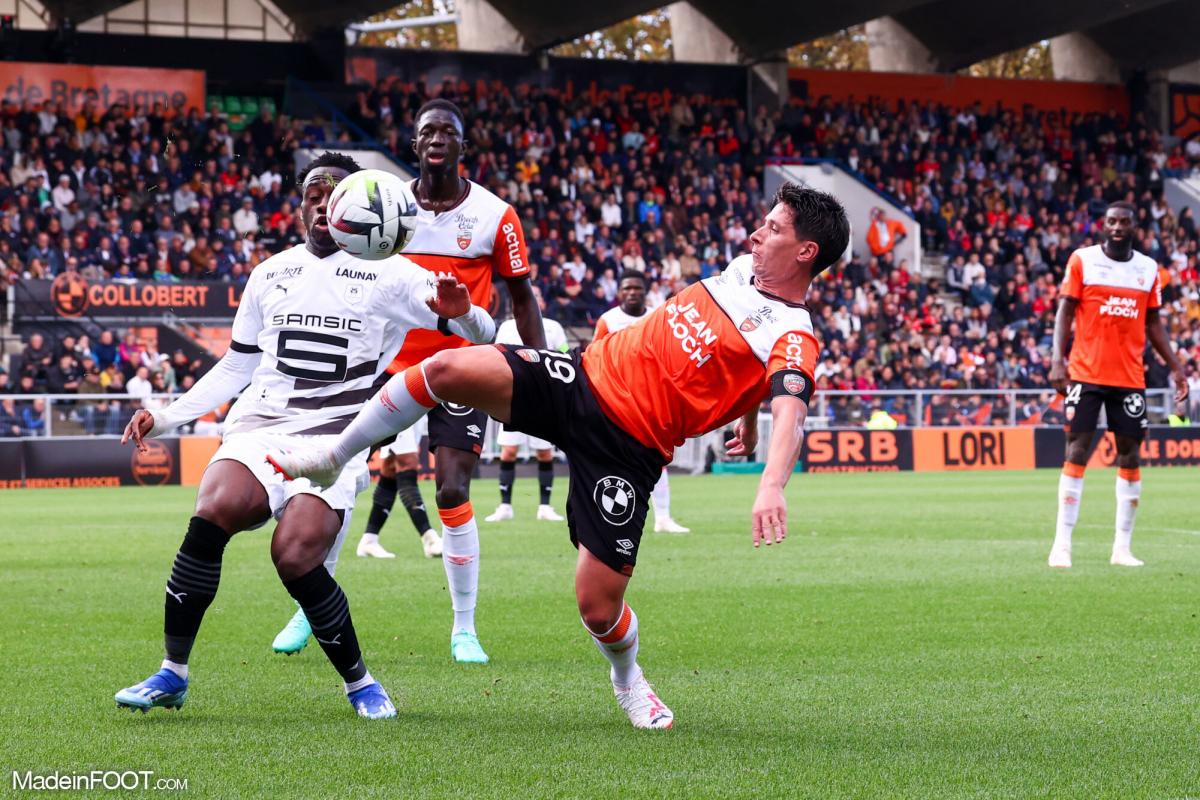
{"x":532,"y":356}
{"x":1070,"y":412}
{"x":355,"y":292}
{"x":616,"y":500}
{"x":793,"y":383}
{"x":466,"y":227}
{"x":750,"y":323}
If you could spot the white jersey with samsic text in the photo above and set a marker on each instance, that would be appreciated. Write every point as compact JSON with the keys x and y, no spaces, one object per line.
{"x":327,"y":329}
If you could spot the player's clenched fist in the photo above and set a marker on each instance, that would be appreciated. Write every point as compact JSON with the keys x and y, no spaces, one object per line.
{"x":139,"y":425}
{"x":769,"y":516}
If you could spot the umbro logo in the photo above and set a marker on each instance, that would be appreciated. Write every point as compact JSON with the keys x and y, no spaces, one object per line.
{"x":473,"y":431}
{"x":625,"y":546}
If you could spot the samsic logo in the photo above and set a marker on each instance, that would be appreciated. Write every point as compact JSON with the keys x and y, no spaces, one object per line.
{"x":153,"y":467}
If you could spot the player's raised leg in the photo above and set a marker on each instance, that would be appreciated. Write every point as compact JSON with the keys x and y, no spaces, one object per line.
{"x":302,"y":540}
{"x":600,"y":593}
{"x":1129,"y":493}
{"x":663,"y":522}
{"x":475,"y":376}
{"x":230,"y":500}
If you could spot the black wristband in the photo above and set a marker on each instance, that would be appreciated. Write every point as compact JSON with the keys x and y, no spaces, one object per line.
{"x":444,"y":326}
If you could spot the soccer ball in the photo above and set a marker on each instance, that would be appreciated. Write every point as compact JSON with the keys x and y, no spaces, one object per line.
{"x":372,"y":214}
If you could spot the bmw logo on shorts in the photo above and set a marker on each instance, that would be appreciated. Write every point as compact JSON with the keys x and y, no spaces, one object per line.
{"x":615,"y":498}
{"x":454,"y":409}
{"x":1135,"y":405}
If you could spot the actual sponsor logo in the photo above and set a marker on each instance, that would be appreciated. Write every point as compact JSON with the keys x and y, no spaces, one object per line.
{"x":454,"y":409}
{"x":793,"y":383}
{"x":793,"y":351}
{"x":616,"y":500}
{"x":153,"y":467}
{"x":512,"y":243}
{"x":532,"y":356}
{"x":1134,"y":404}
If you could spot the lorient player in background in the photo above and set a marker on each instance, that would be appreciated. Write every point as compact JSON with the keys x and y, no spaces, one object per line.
{"x":630,"y":310}
{"x":466,"y":230}
{"x":510,"y":441}
{"x":1112,"y":295}
{"x":307,"y":340}
{"x":709,"y":356}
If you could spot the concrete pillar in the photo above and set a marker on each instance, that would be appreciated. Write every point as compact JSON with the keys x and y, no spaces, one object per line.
{"x":482,"y":27}
{"x":1077,"y":57}
{"x":772,"y":70}
{"x":696,"y":39}
{"x":1158,"y":99}
{"x":892,"y":48}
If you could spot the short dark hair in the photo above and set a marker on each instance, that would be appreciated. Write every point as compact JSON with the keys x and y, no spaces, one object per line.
{"x":1123,"y":206}
{"x":327,"y":159}
{"x":440,"y":103}
{"x":635,"y":274}
{"x":817,"y":217}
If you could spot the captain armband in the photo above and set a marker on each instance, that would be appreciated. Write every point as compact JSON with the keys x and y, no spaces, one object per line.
{"x":791,"y":383}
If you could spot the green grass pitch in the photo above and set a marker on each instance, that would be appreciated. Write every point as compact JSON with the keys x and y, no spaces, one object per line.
{"x":907,"y":640}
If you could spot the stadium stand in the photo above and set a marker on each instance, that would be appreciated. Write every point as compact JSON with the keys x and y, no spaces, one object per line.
{"x":1003,"y":195}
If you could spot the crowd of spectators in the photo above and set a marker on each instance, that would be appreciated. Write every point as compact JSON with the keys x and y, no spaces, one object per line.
{"x":674,"y":191}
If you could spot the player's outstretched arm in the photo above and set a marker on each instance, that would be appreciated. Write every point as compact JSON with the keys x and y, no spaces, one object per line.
{"x":1063,"y":321}
{"x":526,"y":313}
{"x":1162,"y":345}
{"x":219,"y":385}
{"x":769,"y":514}
{"x":451,"y":302}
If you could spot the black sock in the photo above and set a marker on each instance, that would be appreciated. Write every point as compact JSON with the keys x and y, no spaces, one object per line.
{"x":381,"y":504}
{"x":410,"y":496}
{"x":508,"y":474}
{"x":545,"y":480}
{"x":192,"y":586}
{"x":328,"y":612}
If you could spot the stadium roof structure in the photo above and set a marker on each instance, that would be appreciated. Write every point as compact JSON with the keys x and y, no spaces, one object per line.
{"x":1137,"y":34}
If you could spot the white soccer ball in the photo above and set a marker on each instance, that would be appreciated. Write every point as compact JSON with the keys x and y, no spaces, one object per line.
{"x":372,"y":214}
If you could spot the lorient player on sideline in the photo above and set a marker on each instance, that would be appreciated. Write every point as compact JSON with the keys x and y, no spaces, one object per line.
{"x":709,"y":356}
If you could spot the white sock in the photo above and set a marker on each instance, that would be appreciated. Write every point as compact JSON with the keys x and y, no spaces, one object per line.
{"x":1128,"y":496}
{"x":179,"y":669}
{"x":460,"y":556}
{"x":370,"y":538}
{"x":661,"y":496}
{"x":365,"y":680}
{"x":331,"y":558}
{"x":1069,"y":492}
{"x":403,"y":400}
{"x":619,"y":644}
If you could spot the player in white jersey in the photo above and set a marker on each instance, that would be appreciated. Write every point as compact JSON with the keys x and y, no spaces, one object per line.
{"x":631,"y":309}
{"x":511,"y":440}
{"x":314,"y":331}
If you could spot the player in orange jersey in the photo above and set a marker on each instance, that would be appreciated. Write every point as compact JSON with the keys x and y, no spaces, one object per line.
{"x":709,"y":356}
{"x":1112,"y":295}
{"x":463,"y":229}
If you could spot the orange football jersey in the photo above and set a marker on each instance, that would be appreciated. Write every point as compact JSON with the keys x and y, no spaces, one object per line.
{"x":479,"y":236}
{"x":1110,"y":320}
{"x":701,"y":360}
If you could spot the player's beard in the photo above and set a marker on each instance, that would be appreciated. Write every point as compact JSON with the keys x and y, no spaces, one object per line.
{"x":1120,"y":249}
